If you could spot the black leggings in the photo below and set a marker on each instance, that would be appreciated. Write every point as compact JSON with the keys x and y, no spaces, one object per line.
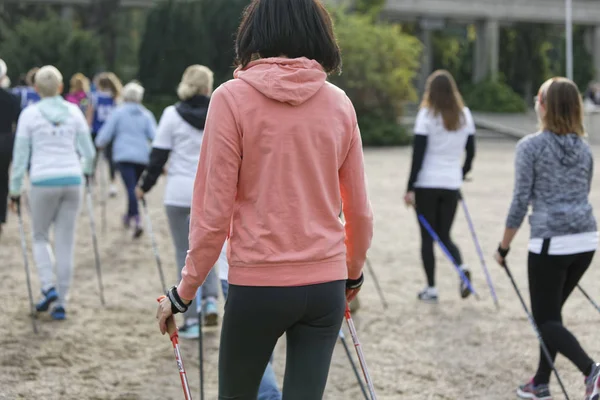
{"x":551,"y":280}
{"x":438,"y":206}
{"x":6,"y":150}
{"x":255,"y":317}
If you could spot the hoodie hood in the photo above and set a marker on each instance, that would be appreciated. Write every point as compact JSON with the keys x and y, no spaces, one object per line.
{"x":194,"y":110}
{"x":54,"y":109}
{"x":287,"y":80}
{"x":568,"y":148}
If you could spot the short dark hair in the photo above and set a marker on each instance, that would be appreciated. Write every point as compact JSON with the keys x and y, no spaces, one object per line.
{"x":290,"y":28}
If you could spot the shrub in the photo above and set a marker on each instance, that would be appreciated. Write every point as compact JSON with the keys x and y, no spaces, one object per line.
{"x":494,"y":96}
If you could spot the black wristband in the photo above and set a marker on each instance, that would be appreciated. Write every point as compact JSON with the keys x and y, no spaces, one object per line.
{"x":503,"y":252}
{"x":355,"y":283}
{"x":177,"y":305}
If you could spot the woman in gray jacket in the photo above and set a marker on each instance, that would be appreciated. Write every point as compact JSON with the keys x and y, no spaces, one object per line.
{"x":554,"y":169}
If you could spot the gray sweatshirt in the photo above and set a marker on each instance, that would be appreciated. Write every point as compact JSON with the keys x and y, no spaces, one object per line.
{"x":553,"y":173}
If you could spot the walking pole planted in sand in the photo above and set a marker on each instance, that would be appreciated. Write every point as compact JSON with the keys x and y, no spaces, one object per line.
{"x":377,"y":286}
{"x":90,"y":208}
{"x":479,"y":252}
{"x":26,"y":262}
{"x":359,"y":352}
{"x":356,"y":373}
{"x":436,"y":238}
{"x":154,"y":245}
{"x":200,"y":341}
{"x":536,"y":329}
{"x":587,"y":296}
{"x":103,"y":192}
{"x":174,"y":336}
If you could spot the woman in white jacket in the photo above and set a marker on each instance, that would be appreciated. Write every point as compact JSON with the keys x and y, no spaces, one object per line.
{"x":178,"y":140}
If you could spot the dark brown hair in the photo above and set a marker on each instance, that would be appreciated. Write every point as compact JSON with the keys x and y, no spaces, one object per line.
{"x":442,"y":97}
{"x":288,"y":28}
{"x":563,"y":108}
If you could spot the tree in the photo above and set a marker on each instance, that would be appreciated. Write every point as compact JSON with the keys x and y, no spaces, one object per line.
{"x":380,"y":64}
{"x":36,"y":43}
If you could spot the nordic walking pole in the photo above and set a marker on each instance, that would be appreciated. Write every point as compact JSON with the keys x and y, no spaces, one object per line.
{"x":102,"y":189}
{"x":26,"y":263}
{"x":154,"y":245}
{"x":200,"y":341}
{"x":437,"y":239}
{"x":174,"y":335}
{"x":376,"y":282}
{"x":359,"y":352}
{"x":535,"y":328}
{"x":356,"y":373}
{"x":479,"y":252}
{"x":588,"y":297}
{"x":90,"y":208}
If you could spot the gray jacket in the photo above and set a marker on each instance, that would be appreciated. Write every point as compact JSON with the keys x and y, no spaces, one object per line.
{"x":553,"y":173}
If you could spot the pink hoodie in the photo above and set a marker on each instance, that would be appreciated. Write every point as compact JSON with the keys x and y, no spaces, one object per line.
{"x":281,"y":152}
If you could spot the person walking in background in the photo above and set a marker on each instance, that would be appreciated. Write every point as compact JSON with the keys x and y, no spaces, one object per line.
{"x":130,"y":127}
{"x":9,"y":114}
{"x":443,"y":130}
{"x":79,"y":91}
{"x":553,"y":173}
{"x":53,"y":134}
{"x":103,"y":102}
{"x":178,"y":141}
{"x":281,"y":151}
{"x":27,"y":93}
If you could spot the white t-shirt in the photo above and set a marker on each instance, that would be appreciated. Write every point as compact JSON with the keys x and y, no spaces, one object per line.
{"x":442,"y":164}
{"x":185,"y":142}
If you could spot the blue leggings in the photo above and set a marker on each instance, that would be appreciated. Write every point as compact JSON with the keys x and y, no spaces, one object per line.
{"x":130,"y":173}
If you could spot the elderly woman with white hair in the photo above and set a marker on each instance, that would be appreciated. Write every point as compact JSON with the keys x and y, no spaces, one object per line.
{"x":131,"y":128}
{"x":52,"y":135}
{"x":178,"y":140}
{"x":9,"y":113}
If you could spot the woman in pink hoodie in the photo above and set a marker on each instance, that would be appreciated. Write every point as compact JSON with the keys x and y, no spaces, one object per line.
{"x":281,"y":151}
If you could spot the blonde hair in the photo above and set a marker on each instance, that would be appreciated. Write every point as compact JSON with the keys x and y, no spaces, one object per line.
{"x":133,"y":92}
{"x":108,"y":81}
{"x":562,"y":107}
{"x":197,"y":79}
{"x":442,"y":97}
{"x":79,"y":83}
{"x":48,"y":81}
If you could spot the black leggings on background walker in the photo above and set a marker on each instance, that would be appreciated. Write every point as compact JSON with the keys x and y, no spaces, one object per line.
{"x":255,"y":317}
{"x":552,"y":278}
{"x":438,"y":206}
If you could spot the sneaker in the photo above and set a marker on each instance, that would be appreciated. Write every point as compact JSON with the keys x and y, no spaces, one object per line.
{"x":211,"y":315}
{"x":592,"y":384}
{"x":191,"y":331}
{"x":428,"y":295}
{"x":58,"y":313}
{"x":50,"y":296}
{"x":464,"y":288}
{"x":138,"y":232}
{"x":531,"y":391}
{"x":112,"y":191}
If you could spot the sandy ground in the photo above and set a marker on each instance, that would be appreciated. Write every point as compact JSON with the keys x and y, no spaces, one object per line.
{"x":455,"y":350}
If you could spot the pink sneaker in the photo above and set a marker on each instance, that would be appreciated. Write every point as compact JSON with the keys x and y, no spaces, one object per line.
{"x":592,"y":384}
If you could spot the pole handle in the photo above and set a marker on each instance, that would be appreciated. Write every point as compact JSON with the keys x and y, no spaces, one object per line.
{"x":171,"y":327}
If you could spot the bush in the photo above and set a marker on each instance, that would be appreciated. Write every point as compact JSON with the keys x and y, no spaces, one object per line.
{"x":380,"y":64}
{"x":49,"y":42}
{"x":157,"y":104}
{"x":493,"y":96}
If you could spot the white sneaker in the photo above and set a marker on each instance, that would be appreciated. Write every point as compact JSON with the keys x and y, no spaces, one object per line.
{"x":112,"y":191}
{"x":428,"y":295}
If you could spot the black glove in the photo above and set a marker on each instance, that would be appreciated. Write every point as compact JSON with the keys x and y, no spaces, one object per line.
{"x":355,"y":283}
{"x":177,"y":304}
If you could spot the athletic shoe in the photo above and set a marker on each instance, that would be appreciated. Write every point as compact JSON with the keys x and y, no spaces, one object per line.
{"x":428,"y":295}
{"x":191,"y":331}
{"x":531,"y":391}
{"x":58,"y":313}
{"x":139,"y":231}
{"x":592,"y":384}
{"x":464,"y":288}
{"x":50,"y":296}
{"x":112,"y":191}
{"x":211,"y":315}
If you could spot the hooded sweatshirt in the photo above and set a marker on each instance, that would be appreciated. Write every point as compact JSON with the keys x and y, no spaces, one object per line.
{"x":54,"y":134}
{"x":554,"y":173}
{"x":281,"y":152}
{"x":132,"y":127}
{"x":178,"y":140}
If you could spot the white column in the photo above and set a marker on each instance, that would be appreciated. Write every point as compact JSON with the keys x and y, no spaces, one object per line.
{"x":487,"y":50}
{"x":596,"y":51}
{"x":426,"y":57}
